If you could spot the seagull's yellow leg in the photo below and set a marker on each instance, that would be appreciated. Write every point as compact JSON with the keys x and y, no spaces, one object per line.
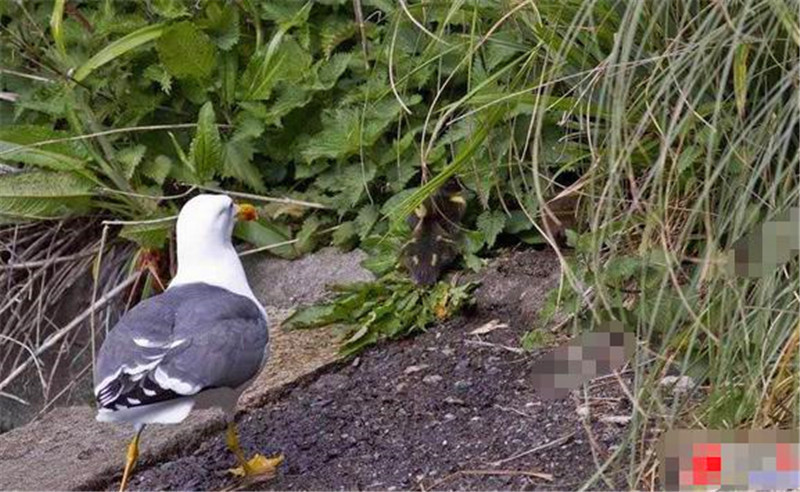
{"x":258,"y":465}
{"x":133,"y":454}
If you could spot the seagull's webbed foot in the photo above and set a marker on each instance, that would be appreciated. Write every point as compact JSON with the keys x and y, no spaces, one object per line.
{"x":259,"y":466}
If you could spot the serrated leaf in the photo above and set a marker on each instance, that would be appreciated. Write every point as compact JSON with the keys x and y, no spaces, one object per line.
{"x":333,"y":31}
{"x":473,"y":241}
{"x":345,"y":236}
{"x":366,"y":219}
{"x":473,"y":262}
{"x":186,"y":51}
{"x":346,"y":131}
{"x":157,"y":73}
{"x":206,"y":149}
{"x":383,"y":253}
{"x":282,"y":60}
{"x":157,"y":169}
{"x":238,"y":163}
{"x":491,"y":223}
{"x":41,"y":194}
{"x":619,"y":269}
{"x":349,"y":181}
{"x":517,"y":222}
{"x":330,"y":70}
{"x":286,"y":14}
{"x":289,"y":97}
{"x":119,"y":48}
{"x":171,"y":9}
{"x":306,"y":238}
{"x":222,"y":23}
{"x":130,"y":158}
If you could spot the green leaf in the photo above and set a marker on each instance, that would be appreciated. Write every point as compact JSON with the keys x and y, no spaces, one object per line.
{"x":286,"y":14}
{"x":289,"y":97}
{"x":330,"y":70}
{"x":383,"y":252}
{"x":57,"y":156}
{"x":206,"y":151}
{"x":222,"y":23}
{"x":517,"y":222}
{"x":238,"y":163}
{"x":397,"y":199}
{"x":283,"y":60}
{"x":261,"y":233}
{"x":119,"y":48}
{"x":345,"y":236}
{"x":171,"y":9}
{"x":130,"y":158}
{"x":306,"y":238}
{"x":229,"y":71}
{"x":309,"y":317}
{"x":334,"y":31}
{"x":157,"y":169}
{"x":473,"y":262}
{"x":366,"y":219}
{"x":157,"y":73}
{"x":147,"y":235}
{"x":491,"y":223}
{"x":619,"y":269}
{"x":473,"y":241}
{"x":186,"y":51}
{"x":43,"y":194}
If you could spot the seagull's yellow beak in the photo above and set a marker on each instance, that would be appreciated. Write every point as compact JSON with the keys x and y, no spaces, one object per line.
{"x":245,"y":211}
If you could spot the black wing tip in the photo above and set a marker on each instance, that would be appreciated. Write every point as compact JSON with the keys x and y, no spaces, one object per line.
{"x":130,"y":393}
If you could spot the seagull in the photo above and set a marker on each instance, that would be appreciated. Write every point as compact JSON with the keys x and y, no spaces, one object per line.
{"x":198,"y":344}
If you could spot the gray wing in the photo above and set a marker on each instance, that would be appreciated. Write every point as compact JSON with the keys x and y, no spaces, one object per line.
{"x":189,"y":339}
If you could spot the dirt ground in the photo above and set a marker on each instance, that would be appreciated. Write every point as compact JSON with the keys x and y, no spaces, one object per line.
{"x":444,"y":410}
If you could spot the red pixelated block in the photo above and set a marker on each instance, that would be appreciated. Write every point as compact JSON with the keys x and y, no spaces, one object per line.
{"x":706,"y":464}
{"x":786,"y":458}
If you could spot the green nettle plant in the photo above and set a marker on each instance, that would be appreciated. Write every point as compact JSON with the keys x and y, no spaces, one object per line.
{"x":670,"y":129}
{"x":118,"y":107}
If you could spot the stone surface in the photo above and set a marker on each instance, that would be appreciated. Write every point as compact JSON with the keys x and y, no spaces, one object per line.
{"x":68,"y":449}
{"x":284,"y":283}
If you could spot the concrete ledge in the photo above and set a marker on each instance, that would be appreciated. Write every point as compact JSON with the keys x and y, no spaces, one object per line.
{"x":68,"y":449}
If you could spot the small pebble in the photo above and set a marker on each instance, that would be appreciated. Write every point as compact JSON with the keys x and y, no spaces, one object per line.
{"x":678,"y":384}
{"x":432,"y":379}
{"x":461,"y":385}
{"x":417,"y":368}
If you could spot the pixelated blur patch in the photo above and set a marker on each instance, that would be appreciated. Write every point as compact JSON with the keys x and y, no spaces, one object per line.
{"x":771,"y":245}
{"x":584,"y":358}
{"x":758,"y":459}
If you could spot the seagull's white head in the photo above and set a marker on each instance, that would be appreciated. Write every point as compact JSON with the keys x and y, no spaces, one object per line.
{"x":206,"y":222}
{"x":205,"y":252}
